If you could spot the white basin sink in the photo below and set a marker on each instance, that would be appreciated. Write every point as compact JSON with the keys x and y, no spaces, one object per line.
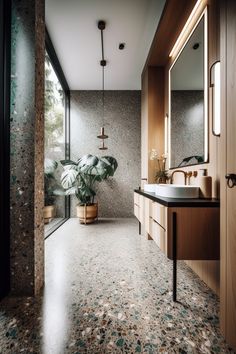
{"x":150,"y":187}
{"x":176,"y":191}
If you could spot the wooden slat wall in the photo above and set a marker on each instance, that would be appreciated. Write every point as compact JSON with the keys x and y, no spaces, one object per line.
{"x":228,"y":165}
{"x":152,"y":121}
{"x":223,"y":168}
{"x":144,"y":128}
{"x":155,"y":116}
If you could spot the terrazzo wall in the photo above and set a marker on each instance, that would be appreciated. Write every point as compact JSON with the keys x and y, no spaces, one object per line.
{"x":27,"y":146}
{"x":123,"y":125}
{"x":187,"y":125}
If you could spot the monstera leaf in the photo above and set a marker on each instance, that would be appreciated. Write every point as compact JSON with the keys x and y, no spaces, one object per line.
{"x":112,"y":161}
{"x":50,"y":166}
{"x":79,"y":177}
{"x":68,"y":177}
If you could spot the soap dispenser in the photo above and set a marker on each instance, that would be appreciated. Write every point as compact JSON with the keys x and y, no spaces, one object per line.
{"x":205,"y":183}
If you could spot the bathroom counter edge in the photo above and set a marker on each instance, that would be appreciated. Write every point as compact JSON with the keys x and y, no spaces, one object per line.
{"x":184,"y":203}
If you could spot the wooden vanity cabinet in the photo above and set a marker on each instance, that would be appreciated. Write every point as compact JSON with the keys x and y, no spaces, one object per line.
{"x":183,"y":229}
{"x":197,"y":233}
{"x":197,"y":228}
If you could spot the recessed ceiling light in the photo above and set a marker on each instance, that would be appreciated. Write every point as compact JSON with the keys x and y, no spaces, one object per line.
{"x":121,"y":46}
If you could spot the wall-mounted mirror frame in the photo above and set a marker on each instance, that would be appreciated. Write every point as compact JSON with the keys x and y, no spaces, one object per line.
{"x":193,"y":161}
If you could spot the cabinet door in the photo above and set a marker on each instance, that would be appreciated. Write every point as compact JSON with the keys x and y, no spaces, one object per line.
{"x":148,"y":214}
{"x":136,"y":211}
{"x":159,"y":214}
{"x":141,"y":209}
{"x":136,"y":198}
{"x":159,"y":236}
{"x":136,"y":205}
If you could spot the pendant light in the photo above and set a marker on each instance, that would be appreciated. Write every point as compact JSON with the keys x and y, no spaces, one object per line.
{"x":103,"y":63}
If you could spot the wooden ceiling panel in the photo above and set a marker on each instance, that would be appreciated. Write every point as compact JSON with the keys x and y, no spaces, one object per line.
{"x":174,"y":16}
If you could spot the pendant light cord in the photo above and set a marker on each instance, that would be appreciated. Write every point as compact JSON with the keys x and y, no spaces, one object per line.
{"x":103,"y":63}
{"x":103,"y":96}
{"x":102,"y":135}
{"x":102,"y":45}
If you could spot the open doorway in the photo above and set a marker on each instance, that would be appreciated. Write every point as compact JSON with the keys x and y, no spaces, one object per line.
{"x":57,"y":138}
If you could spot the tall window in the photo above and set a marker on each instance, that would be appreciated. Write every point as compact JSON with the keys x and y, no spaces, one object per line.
{"x":54,"y":114}
{"x":56,"y":143}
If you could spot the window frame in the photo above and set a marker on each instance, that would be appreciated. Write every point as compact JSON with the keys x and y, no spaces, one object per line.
{"x":61,"y":77}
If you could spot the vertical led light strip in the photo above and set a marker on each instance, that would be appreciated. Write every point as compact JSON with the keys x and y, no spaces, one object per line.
{"x":217,"y":100}
{"x":206,"y":108}
{"x":215,"y":84}
{"x":166,"y":134}
{"x":169,"y":121}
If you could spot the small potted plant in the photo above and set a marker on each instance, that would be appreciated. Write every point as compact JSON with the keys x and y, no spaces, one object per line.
{"x":79,"y":178}
{"x":51,"y":189}
{"x":162,"y":173}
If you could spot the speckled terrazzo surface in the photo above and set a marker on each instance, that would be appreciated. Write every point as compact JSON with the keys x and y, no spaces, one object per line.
{"x":123,"y":125}
{"x":187,"y":125}
{"x":27,"y":146}
{"x":108,"y":290}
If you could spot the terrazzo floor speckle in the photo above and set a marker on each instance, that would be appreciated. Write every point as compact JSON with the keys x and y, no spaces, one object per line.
{"x":108,"y":290}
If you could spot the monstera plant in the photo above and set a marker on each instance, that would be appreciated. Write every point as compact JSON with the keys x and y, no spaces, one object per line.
{"x":79,"y":178}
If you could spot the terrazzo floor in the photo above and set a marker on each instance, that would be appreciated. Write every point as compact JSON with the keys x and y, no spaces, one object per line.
{"x":108,"y":290}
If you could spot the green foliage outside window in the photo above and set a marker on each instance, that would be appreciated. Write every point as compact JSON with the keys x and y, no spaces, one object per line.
{"x":54,"y":109}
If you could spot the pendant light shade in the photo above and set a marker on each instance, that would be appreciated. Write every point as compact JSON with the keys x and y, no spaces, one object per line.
{"x":102,"y":134}
{"x":103,"y":147}
{"x":103,"y":63}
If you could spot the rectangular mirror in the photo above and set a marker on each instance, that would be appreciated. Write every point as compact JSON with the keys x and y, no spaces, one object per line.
{"x":188,"y":108}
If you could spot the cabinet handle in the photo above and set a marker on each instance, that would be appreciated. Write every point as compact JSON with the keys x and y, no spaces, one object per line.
{"x":231,"y":180}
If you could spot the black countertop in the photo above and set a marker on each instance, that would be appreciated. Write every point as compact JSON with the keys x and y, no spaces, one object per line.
{"x":184,"y":203}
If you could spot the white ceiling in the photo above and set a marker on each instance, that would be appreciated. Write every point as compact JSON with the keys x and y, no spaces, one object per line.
{"x":72,"y":26}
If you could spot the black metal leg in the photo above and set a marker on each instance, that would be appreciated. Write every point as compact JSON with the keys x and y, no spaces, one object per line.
{"x":139,"y":228}
{"x":174,"y":253}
